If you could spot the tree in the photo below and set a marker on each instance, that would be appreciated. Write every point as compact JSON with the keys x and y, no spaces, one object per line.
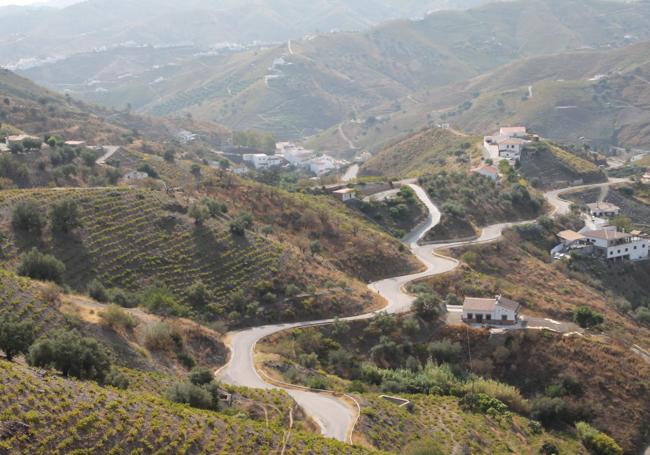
{"x":116,"y":318}
{"x":16,"y":147}
{"x":198,"y":294}
{"x":16,"y":336}
{"x":585,"y":317}
{"x":27,"y":217}
{"x":150,"y":171}
{"x":71,"y":354}
{"x":199,"y":212}
{"x":32,"y":144}
{"x":65,"y":216}
{"x":196,"y":171}
{"x":97,"y":291}
{"x":191,"y":394}
{"x":201,"y":376}
{"x":117,"y":379}
{"x":169,"y":156}
{"x":41,"y":266}
{"x":239,"y":225}
{"x":89,"y":158}
{"x":428,"y":306}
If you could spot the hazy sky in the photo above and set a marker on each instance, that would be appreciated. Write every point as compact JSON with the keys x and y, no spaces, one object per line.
{"x":18,"y":2}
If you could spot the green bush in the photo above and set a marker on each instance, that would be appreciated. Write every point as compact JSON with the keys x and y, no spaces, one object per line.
{"x":27,"y":217}
{"x":122,"y":298}
{"x":162,"y":337}
{"x":427,"y":447}
{"x":485,"y":404}
{"x":428,"y":306}
{"x":505,"y":393}
{"x":71,"y":354}
{"x":596,"y":442}
{"x":160,"y":300}
{"x":585,"y":317}
{"x":65,"y":216}
{"x":445,"y":351}
{"x":16,"y":336}
{"x":97,"y":291}
{"x":117,"y":379}
{"x":41,"y":266}
{"x":201,"y":376}
{"x":191,"y":394}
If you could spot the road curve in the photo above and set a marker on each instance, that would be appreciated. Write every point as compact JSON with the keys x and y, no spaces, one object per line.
{"x":333,"y":415}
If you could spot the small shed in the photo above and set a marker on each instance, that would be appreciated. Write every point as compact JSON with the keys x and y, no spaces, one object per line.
{"x":345,"y":194}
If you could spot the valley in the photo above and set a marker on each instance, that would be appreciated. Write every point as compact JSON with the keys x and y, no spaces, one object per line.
{"x":349,"y":226}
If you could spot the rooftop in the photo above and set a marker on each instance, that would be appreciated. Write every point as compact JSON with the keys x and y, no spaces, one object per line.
{"x":607,"y":235}
{"x":571,"y":236}
{"x":487,"y":168}
{"x":345,"y":191}
{"x":479,"y":304}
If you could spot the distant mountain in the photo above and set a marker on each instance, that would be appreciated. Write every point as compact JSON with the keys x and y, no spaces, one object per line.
{"x":315,"y":83}
{"x":31,"y":33}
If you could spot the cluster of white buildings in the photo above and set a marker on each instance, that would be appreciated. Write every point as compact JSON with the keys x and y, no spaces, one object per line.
{"x":598,"y":238}
{"x":507,"y":144}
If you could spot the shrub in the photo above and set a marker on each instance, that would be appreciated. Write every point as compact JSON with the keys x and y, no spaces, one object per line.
{"x":97,"y":291}
{"x":505,"y":393}
{"x":16,"y":336}
{"x":27,"y":217}
{"x":117,"y":379}
{"x":201,"y":376}
{"x":198,"y":294}
{"x":65,"y":216}
{"x":41,"y":266}
{"x":122,"y":298}
{"x":116,"y":318}
{"x":71,"y":354}
{"x":150,"y":171}
{"x":553,"y":412}
{"x":482,"y":403}
{"x":191,"y":394}
{"x":199,"y":212}
{"x":160,"y":300}
{"x":428,"y":306}
{"x":596,"y":442}
{"x":162,"y":337}
{"x":585,"y":317}
{"x":445,"y":351}
{"x":548,"y":448}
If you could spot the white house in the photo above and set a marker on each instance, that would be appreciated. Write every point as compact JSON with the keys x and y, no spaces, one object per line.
{"x":611,"y":244}
{"x":510,"y":149}
{"x":263,"y":161}
{"x":20,"y":138}
{"x":345,"y":194}
{"x":487,"y":170}
{"x":646,"y":178}
{"x":603,"y":210}
{"x":75,"y":143}
{"x":513,"y":131}
{"x":324,"y":164}
{"x":497,"y":310}
{"x":135,"y":175}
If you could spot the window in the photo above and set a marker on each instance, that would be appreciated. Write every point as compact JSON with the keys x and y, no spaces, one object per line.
{"x":470,"y":316}
{"x":488,"y":317}
{"x":504,"y":317}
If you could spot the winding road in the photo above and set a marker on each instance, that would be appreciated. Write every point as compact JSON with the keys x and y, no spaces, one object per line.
{"x":336,"y":417}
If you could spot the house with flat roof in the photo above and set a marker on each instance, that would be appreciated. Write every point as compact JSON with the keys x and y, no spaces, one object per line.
{"x":497,"y":310}
{"x":345,"y":194}
{"x":603,"y":210}
{"x":513,"y":131}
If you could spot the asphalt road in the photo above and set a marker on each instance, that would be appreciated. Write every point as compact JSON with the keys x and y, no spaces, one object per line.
{"x":333,"y":415}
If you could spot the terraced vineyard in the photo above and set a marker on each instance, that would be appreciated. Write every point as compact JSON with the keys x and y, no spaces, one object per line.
{"x":18,"y":297}
{"x":390,"y":427}
{"x":46,"y":414}
{"x":135,"y":238}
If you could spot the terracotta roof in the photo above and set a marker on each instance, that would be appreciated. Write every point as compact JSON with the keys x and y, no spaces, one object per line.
{"x":607,"y":235}
{"x":345,"y":191}
{"x":509,"y":304}
{"x":571,"y":236}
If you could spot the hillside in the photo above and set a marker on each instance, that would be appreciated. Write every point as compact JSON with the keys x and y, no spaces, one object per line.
{"x":345,"y":76}
{"x":73,"y":415}
{"x":425,"y":152}
{"x":549,"y":165}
